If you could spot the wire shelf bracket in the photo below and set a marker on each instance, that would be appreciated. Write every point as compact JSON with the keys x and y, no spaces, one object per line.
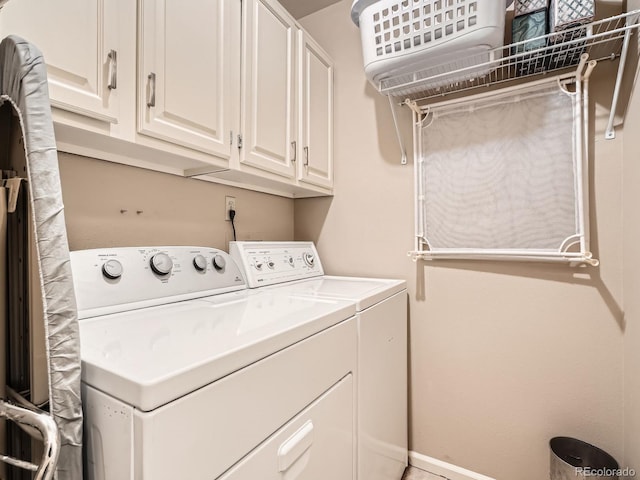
{"x":610,"y":132}
{"x":403,"y":150}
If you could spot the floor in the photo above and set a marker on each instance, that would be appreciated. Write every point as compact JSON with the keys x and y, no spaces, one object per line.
{"x":413,"y":473}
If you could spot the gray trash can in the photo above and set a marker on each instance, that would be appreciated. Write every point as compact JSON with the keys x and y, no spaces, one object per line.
{"x":572,"y":459}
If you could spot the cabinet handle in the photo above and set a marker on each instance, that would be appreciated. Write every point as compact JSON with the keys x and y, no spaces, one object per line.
{"x":306,"y":156}
{"x":294,"y":145}
{"x":152,"y":90}
{"x":113,"y":70}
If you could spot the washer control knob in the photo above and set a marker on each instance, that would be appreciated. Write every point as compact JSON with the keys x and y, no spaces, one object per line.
{"x":291,"y":261}
{"x":309,"y":258}
{"x":271,"y":265}
{"x":219,"y":262}
{"x":112,"y":269}
{"x":258,"y":265}
{"x":200,"y":263}
{"x":161,"y":264}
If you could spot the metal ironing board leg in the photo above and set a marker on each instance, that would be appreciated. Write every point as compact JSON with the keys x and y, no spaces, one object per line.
{"x":45,"y":425}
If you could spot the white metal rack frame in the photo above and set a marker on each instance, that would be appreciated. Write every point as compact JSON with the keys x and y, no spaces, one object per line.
{"x":570,"y":55}
{"x":575,"y":249}
{"x":555,"y":52}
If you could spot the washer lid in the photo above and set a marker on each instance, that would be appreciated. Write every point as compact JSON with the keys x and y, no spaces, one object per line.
{"x":152,"y":356}
{"x":366,"y":292}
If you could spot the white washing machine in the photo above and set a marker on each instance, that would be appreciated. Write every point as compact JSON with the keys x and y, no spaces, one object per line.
{"x":239,"y":386}
{"x":381,"y":305}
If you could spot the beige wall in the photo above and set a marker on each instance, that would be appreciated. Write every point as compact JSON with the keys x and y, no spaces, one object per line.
{"x":503,"y":356}
{"x":175,"y":210}
{"x":631,"y":216}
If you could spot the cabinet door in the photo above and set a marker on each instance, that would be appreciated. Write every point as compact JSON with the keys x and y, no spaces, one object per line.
{"x":316,"y":444}
{"x":187,"y":87}
{"x":81,"y":42}
{"x":316,"y":114}
{"x":269,"y":96}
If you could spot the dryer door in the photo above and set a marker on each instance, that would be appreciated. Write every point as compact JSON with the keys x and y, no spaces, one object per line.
{"x":317,"y":443}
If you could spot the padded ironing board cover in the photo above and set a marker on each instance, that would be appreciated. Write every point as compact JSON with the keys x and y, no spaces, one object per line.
{"x":23,"y":80}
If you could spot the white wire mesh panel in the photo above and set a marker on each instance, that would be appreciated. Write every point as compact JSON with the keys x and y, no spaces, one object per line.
{"x":501,"y":175}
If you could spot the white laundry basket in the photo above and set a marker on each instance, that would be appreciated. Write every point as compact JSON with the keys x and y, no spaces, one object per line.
{"x":404,"y":37}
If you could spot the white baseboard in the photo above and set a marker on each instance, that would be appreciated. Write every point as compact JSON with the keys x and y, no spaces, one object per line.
{"x":443,"y":469}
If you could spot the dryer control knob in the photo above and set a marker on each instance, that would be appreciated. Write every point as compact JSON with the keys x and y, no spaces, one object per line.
{"x":309,"y":258}
{"x":112,"y":269}
{"x":161,"y":264}
{"x":200,"y":263}
{"x":219,"y":262}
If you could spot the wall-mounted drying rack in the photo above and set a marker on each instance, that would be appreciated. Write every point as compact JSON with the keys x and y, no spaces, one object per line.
{"x":604,"y":39}
{"x":465,"y":211}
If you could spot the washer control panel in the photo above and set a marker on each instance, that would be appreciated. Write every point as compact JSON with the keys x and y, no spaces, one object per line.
{"x":271,"y":263}
{"x":110,"y":280}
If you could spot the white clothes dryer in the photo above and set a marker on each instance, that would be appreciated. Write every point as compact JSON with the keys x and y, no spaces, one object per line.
{"x":175,"y":386}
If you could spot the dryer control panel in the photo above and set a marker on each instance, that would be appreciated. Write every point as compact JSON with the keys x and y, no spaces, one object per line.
{"x":110,"y":280}
{"x":271,"y":263}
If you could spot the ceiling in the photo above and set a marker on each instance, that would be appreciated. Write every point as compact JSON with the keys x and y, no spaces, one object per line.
{"x":302,"y":8}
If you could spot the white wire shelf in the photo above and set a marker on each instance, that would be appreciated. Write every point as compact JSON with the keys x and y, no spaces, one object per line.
{"x":603,"y":39}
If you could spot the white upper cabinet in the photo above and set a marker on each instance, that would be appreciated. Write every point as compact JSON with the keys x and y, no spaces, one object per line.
{"x":187,"y":86}
{"x":269,"y":88}
{"x":316,"y":114}
{"x":230,"y":91}
{"x":81,"y":42}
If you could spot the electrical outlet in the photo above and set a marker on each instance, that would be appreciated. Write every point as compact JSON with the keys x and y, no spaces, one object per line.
{"x":229,"y":204}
